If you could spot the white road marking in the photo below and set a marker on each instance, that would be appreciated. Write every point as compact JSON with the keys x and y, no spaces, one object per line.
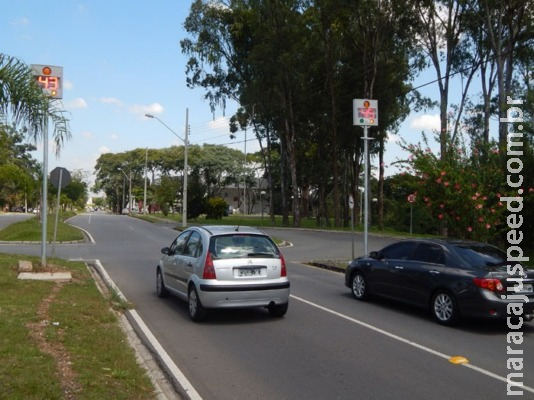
{"x":411,"y":343}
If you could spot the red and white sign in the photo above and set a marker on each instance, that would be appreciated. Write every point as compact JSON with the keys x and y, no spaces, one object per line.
{"x":365,"y":112}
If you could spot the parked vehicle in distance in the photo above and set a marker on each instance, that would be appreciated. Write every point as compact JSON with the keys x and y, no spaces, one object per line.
{"x":453,"y":279}
{"x":224,"y":267}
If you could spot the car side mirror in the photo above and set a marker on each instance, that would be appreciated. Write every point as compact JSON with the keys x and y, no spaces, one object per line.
{"x":166,"y":251}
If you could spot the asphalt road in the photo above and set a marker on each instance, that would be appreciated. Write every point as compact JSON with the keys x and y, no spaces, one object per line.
{"x":328,"y":346}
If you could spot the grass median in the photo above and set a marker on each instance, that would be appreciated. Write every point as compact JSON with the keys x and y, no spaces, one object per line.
{"x":63,"y":340}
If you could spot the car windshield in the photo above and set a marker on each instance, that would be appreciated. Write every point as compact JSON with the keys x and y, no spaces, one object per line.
{"x":480,"y":255}
{"x":242,"y":245}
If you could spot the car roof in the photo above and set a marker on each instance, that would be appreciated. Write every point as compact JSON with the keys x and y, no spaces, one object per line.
{"x":230,"y":229}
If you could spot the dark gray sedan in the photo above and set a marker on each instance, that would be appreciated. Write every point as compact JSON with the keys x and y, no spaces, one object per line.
{"x":453,"y":279}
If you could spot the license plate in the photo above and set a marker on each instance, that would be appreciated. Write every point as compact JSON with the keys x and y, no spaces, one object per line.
{"x":246,"y":272}
{"x":527,"y":288}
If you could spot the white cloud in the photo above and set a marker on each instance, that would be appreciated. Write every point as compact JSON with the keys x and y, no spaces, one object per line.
{"x":218,"y":123}
{"x":76,"y":103}
{"x":21,"y":22}
{"x":394,"y":138}
{"x":87,"y":135}
{"x":426,"y":122}
{"x":114,"y":136}
{"x":111,"y":100}
{"x":67,"y":85}
{"x":154,"y":109}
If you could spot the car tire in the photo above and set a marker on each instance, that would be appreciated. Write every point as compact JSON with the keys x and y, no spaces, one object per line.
{"x":444,"y":308}
{"x":358,"y":286}
{"x":160,"y":285}
{"x":197,"y":312}
{"x":278,"y":310}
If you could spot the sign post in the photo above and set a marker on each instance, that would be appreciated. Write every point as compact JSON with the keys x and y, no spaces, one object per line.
{"x":351,"y":207}
{"x":365,"y":113}
{"x":50,"y":78}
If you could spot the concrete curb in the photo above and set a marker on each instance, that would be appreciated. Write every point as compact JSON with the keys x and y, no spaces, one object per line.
{"x":169,"y":381}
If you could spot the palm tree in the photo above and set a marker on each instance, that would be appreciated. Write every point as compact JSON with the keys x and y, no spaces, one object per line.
{"x":23,"y":100}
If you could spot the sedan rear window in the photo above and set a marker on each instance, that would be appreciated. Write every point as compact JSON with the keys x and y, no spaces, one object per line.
{"x":235,"y":246}
{"x":481,"y":255}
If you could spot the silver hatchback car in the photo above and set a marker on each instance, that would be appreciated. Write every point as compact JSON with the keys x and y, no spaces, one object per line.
{"x":224,"y":267}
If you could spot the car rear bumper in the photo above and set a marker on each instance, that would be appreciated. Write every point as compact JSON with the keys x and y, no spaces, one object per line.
{"x":252,"y":295}
{"x":492,"y":306}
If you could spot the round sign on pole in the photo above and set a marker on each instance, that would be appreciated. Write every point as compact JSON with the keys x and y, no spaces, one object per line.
{"x":411,"y":198}
{"x":351,"y":202}
{"x":58,"y":175}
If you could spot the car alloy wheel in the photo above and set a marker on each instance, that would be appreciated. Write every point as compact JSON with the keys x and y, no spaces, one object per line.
{"x":444,"y":308}
{"x":197,"y":312}
{"x":359,"y":286}
{"x":160,"y":285}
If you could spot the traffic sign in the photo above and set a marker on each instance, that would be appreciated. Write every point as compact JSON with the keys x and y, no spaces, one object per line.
{"x":50,"y":78}
{"x":365,"y":112}
{"x":411,"y":198}
{"x":60,"y":177}
{"x":351,"y":202}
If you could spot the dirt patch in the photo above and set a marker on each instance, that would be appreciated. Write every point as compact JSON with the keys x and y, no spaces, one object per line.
{"x":64,"y":372}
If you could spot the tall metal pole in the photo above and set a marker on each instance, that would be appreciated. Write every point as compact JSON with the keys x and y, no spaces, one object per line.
{"x":366,"y":139}
{"x":186,"y":167}
{"x":144,"y":194}
{"x":245,"y":178}
{"x":130,"y":192}
{"x":44,"y":200}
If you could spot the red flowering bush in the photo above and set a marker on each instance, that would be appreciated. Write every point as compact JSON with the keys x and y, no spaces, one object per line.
{"x":462,"y":189}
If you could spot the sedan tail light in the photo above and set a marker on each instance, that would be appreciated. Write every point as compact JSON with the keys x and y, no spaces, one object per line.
{"x":283,"y":264}
{"x":209,"y":268}
{"x":491,"y":284}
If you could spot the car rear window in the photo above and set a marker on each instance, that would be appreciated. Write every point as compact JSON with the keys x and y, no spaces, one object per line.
{"x":481,"y":255}
{"x":242,"y":245}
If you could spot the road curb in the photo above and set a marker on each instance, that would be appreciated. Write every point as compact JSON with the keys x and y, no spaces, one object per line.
{"x":169,"y":381}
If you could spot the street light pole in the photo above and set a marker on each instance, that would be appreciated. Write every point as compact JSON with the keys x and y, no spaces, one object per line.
{"x":186,"y":166}
{"x":144,"y":194}
{"x":129,"y":189}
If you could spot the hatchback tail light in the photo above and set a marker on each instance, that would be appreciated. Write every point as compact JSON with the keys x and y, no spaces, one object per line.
{"x":209,"y":268}
{"x":491,"y":284}
{"x":283,"y":272}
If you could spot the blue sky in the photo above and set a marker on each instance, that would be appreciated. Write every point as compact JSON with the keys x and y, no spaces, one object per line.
{"x":122,"y":59}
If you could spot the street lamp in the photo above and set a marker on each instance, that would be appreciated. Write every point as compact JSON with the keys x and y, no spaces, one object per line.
{"x":186,"y":145}
{"x":129,"y":189}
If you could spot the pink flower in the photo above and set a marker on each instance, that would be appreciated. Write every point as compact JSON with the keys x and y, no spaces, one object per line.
{"x":488,"y":226}
{"x":440,"y":216}
{"x":479,"y":206}
{"x":442,"y":206}
{"x":470,"y":229}
{"x":438,"y":180}
{"x":481,"y":219}
{"x":443,"y":173}
{"x":457,"y":186}
{"x":446,"y":183}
